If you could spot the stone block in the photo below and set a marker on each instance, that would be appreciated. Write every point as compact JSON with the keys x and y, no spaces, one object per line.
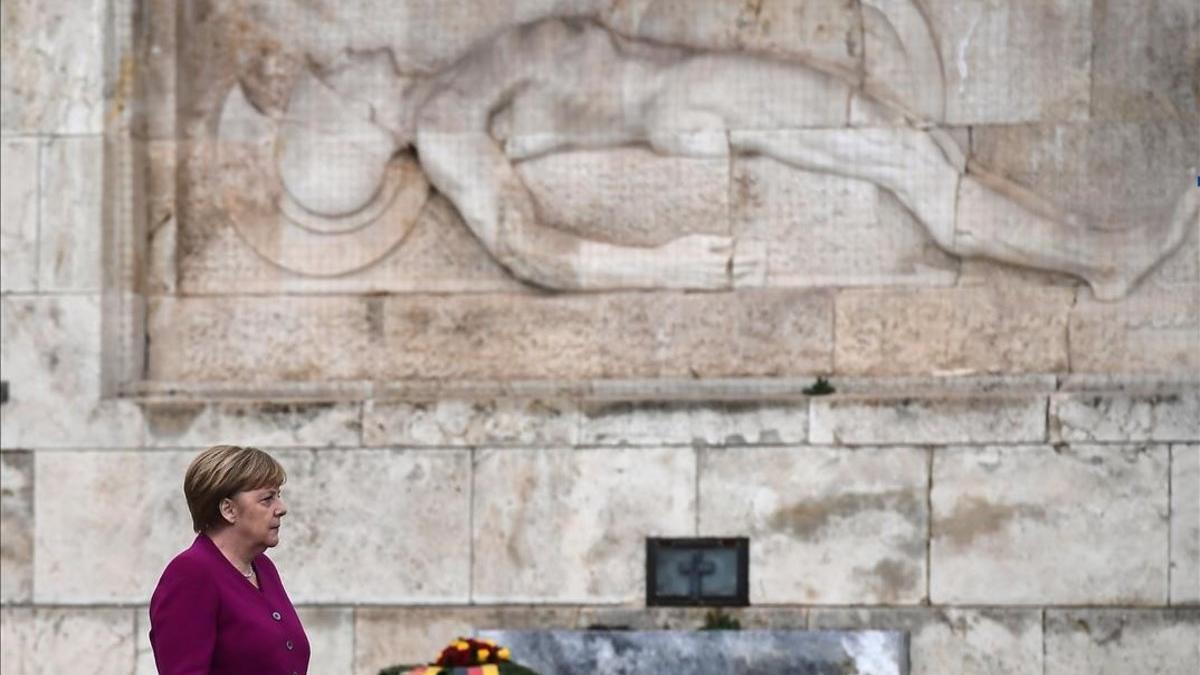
{"x":954,"y":419}
{"x":419,"y":531}
{"x":1144,"y":60}
{"x":125,"y":556}
{"x":998,"y":57}
{"x":50,"y":356}
{"x":825,"y":230}
{"x":16,"y":520}
{"x":1118,"y":641}
{"x":267,"y":425}
{"x":959,"y":331}
{"x":63,"y":640}
{"x":330,"y":633}
{"x":19,"y":170}
{"x":1041,"y":525}
{"x":630,"y":195}
{"x":494,"y":422}
{"x":71,"y":219}
{"x":1090,"y":417}
{"x":963,"y":641}
{"x":597,"y":506}
{"x":700,"y":423}
{"x":1148,"y":334}
{"x":53,"y":71}
{"x":853,"y":521}
{"x":1185,"y":524}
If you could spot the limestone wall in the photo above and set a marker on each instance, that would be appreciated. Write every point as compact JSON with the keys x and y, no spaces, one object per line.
{"x":1010,"y":468}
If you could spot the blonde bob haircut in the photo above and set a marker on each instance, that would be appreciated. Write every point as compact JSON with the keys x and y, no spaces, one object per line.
{"x":222,"y":471}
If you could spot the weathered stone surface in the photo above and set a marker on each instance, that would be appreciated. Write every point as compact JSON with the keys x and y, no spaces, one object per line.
{"x":875,"y":421}
{"x":854,"y":521}
{"x":699,"y":423}
{"x":19,"y":167}
{"x":63,"y":640}
{"x":198,"y":425}
{"x":1003,"y":533}
{"x":826,"y":230}
{"x":598,"y":506}
{"x":16,"y":519}
{"x":126,"y":555}
{"x":1165,"y":416}
{"x":50,"y":356}
{"x":753,"y":652}
{"x":495,"y":422}
{"x":998,"y":57}
{"x":1151,"y":334}
{"x":420,"y":532}
{"x":330,"y":633}
{"x":964,"y":330}
{"x":953,"y":640}
{"x":631,"y":195}
{"x":70,"y":236}
{"x":52,"y":70}
{"x":1185,"y":524}
{"x":390,"y":636}
{"x":1108,"y":642}
{"x":690,"y":618}
{"x":1143,"y":60}
{"x":162,"y":270}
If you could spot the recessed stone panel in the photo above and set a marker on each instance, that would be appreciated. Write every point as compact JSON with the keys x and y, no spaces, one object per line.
{"x":854,"y":521}
{"x":953,"y":419}
{"x":1003,"y":533}
{"x":61,"y":640}
{"x":496,"y":422}
{"x":565,"y":526}
{"x":694,"y":423}
{"x":19,"y":168}
{"x":1112,"y":642}
{"x":357,"y":512}
{"x":16,"y":519}
{"x":1185,"y":524}
{"x":953,"y":640}
{"x":71,"y":222}
{"x":1153,"y":333}
{"x":1096,"y":416}
{"x":952,"y":331}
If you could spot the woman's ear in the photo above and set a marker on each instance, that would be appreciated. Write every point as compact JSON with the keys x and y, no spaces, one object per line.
{"x":228,"y":510}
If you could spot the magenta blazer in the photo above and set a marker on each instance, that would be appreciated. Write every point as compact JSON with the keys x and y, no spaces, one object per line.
{"x":207,"y":619}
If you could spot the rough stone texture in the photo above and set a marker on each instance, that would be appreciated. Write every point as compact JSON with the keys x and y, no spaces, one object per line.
{"x":960,"y":331}
{"x":359,"y":512}
{"x":689,"y":618}
{"x":62,"y":640}
{"x":330,"y":633}
{"x":701,"y":423}
{"x":52,"y":72}
{"x":162,"y":270}
{"x":1090,"y":417}
{"x":618,"y":498}
{"x":1003,"y":533}
{"x":182,"y":425}
{"x":1152,"y":334}
{"x":125,"y":555}
{"x":1185,"y":524}
{"x":962,"y":641}
{"x":708,"y":652}
{"x":70,"y":234}
{"x":16,"y":520}
{"x":854,"y":521}
{"x":19,"y":167}
{"x":875,"y":421}
{"x":1112,"y":642}
{"x":495,"y":422}
{"x":826,"y":230}
{"x":1140,"y":64}
{"x":633,"y":195}
{"x":50,"y":356}
{"x":998,"y":57}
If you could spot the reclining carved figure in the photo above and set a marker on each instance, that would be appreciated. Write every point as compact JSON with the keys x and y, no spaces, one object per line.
{"x":561,"y":84}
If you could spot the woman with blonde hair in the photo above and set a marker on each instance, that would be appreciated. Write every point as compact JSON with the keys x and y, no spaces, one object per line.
{"x":220,"y":607}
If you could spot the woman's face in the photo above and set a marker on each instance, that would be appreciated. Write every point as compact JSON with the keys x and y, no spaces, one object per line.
{"x":258,"y":515}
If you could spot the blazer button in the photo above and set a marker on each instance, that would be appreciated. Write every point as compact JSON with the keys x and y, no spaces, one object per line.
{"x":289,"y":644}
{"x":276,"y":616}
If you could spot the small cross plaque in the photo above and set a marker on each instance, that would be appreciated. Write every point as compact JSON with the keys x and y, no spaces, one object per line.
{"x":698,"y":571}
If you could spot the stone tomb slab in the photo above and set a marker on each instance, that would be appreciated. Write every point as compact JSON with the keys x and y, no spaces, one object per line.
{"x":752,"y":652}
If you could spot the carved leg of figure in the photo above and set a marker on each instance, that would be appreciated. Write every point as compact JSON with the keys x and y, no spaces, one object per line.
{"x":471,"y":170}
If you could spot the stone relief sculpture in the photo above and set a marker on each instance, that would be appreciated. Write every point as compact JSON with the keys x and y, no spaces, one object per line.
{"x":562,"y":84}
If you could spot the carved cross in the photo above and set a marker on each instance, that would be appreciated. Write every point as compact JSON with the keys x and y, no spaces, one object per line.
{"x":696,"y":569}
